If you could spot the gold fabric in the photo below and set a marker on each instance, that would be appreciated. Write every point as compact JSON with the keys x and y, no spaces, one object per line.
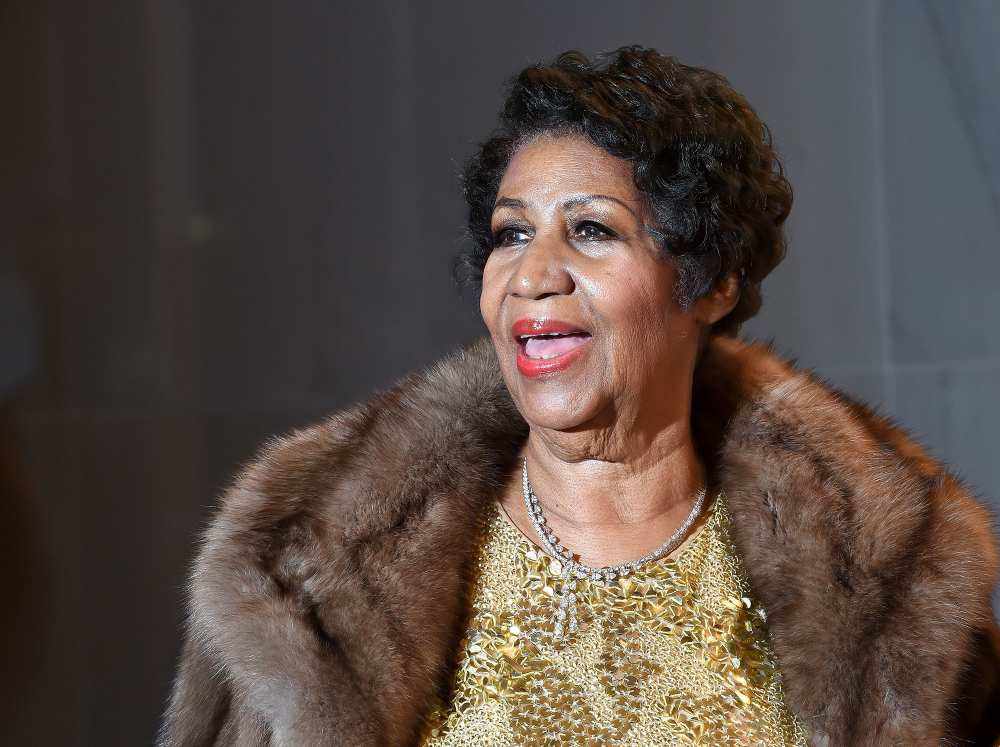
{"x":676,"y":653}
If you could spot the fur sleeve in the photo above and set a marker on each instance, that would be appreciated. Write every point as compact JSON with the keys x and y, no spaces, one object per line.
{"x":258,"y":667}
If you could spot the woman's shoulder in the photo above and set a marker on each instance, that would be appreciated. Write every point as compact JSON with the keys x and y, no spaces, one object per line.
{"x":843,"y":516}
{"x":311,"y":500}
{"x":311,"y":494}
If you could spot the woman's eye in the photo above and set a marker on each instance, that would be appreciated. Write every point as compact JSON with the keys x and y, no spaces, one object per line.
{"x":509,"y":236}
{"x":592,"y":230}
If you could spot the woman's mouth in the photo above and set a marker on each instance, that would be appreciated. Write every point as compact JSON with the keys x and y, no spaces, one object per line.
{"x":546,"y":346}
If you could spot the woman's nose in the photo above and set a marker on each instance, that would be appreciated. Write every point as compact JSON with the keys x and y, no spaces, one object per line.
{"x":542,"y":271}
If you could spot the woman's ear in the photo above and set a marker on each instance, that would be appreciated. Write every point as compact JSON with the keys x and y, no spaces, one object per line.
{"x":720,"y":300}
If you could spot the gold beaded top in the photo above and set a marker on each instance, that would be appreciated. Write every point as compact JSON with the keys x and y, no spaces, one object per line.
{"x":675,"y":653}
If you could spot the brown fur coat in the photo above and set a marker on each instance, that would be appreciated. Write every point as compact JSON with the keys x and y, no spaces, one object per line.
{"x":329,"y":592}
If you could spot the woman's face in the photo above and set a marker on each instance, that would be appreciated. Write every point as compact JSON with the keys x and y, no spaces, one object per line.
{"x":572,"y":255}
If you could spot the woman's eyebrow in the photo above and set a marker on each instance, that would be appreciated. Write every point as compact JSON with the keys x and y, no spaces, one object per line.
{"x":509,"y":202}
{"x":572,"y":202}
{"x":581,"y":200}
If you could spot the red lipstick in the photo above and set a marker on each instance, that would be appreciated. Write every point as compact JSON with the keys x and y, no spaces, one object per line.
{"x":548,"y":345}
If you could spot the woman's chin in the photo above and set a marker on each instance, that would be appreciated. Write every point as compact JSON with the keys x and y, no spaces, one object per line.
{"x":562,"y":398}
{"x":557,"y":411}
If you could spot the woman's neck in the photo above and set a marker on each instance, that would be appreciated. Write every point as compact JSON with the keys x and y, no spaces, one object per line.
{"x":612,"y":504}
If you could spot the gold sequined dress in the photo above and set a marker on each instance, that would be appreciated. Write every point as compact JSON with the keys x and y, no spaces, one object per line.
{"x":675,"y":654}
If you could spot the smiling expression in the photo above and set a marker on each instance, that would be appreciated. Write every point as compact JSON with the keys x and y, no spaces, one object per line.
{"x":573,"y":256}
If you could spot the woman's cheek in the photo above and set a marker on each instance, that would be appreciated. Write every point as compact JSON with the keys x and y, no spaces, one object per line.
{"x":489,"y":299}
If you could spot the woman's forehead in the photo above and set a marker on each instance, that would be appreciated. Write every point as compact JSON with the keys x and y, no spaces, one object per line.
{"x":554,"y":166}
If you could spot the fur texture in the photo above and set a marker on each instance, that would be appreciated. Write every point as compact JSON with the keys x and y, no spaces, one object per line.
{"x":330,"y":589}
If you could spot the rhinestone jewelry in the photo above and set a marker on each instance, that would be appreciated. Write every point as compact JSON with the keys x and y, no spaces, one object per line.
{"x":572,"y":570}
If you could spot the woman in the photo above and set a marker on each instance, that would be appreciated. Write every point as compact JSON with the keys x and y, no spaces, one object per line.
{"x":611,"y":521}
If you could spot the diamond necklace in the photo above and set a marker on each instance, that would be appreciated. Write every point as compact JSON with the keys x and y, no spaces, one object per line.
{"x":573,"y":570}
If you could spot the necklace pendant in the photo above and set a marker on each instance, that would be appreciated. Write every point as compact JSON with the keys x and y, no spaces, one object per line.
{"x":566,"y":618}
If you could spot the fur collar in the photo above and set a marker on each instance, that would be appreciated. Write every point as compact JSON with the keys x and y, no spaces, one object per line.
{"x":329,"y":591}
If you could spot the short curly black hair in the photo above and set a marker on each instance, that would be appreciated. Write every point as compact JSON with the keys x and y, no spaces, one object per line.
{"x":701,"y":156}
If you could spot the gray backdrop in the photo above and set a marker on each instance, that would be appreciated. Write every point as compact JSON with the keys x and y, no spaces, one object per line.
{"x":223,"y":219}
